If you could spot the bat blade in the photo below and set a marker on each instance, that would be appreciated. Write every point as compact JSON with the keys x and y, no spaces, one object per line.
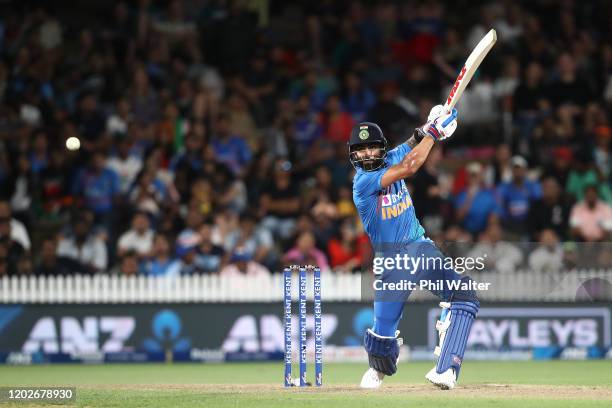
{"x":471,"y":65}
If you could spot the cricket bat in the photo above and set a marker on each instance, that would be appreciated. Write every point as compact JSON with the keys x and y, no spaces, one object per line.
{"x":471,"y":65}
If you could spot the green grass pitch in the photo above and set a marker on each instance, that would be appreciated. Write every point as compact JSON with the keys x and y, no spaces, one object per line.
{"x":483,"y":384}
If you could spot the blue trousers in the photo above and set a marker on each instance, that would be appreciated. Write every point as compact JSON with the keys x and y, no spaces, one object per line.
{"x":389,"y":304}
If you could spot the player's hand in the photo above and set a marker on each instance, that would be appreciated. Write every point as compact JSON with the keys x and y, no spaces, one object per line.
{"x":440,"y":124}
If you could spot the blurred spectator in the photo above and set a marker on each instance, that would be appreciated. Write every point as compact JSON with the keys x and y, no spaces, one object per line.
{"x":549,"y":212}
{"x":211,"y":257}
{"x":231,"y":192}
{"x":229,"y":149}
{"x":139,"y":238}
{"x":601,"y":153}
{"x":241,"y":264}
{"x":99,"y":186}
{"x":306,"y":253}
{"x":54,"y":183}
{"x":582,"y":176}
{"x":358,"y":98}
{"x":427,"y":193}
{"x":279,"y":203}
{"x":306,"y":125}
{"x":125,"y":164}
{"x":255,"y":241}
{"x":529,"y":100}
{"x":567,"y":88}
{"x":337,"y":123}
{"x":50,"y":264}
{"x":128,"y":264}
{"x":347,"y":251}
{"x":11,"y":251}
{"x":186,"y":252}
{"x":392,"y":117}
{"x":548,"y":256}
{"x":160,"y":261}
{"x":17,"y":231}
{"x":500,"y":170}
{"x":517,"y":196}
{"x":591,"y":218}
{"x":83,"y":246}
{"x":22,"y":189}
{"x":475,"y":207}
{"x":501,"y":256}
{"x":561,"y":165}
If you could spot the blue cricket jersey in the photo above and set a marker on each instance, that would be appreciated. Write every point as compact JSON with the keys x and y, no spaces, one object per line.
{"x":387,"y":214}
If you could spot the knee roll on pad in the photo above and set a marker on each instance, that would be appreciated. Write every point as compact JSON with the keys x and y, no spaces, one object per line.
{"x":382,"y":352}
{"x":466,"y":295}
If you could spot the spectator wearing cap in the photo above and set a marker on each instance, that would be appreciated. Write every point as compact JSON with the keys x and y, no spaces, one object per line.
{"x":241,"y":264}
{"x":83,"y":247}
{"x":517,"y":196}
{"x":591,"y":218}
{"x":549,"y":212}
{"x":139,"y":238}
{"x":186,"y":252}
{"x":159,"y":263}
{"x":475,"y":206}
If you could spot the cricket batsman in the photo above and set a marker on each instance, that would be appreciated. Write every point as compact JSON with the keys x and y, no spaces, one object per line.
{"x":385,"y":207}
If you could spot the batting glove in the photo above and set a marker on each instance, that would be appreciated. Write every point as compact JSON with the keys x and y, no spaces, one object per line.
{"x":440,"y":124}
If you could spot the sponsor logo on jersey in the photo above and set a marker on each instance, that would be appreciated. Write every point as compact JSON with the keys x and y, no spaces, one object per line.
{"x":393,"y":205}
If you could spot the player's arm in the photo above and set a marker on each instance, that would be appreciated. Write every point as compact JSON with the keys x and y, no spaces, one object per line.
{"x":409,"y":164}
{"x":440,"y":126}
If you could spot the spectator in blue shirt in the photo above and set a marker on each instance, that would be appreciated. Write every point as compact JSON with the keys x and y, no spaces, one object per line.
{"x":358,"y":99}
{"x":307,"y":126}
{"x":161,"y":262}
{"x":476,"y":206}
{"x":230,"y":149}
{"x":98,"y":185}
{"x":516,"y":197}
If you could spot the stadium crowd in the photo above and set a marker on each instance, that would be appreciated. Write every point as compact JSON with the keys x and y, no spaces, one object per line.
{"x":213,"y":133}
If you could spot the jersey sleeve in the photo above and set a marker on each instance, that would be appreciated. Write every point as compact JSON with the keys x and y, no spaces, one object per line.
{"x":396,"y":154}
{"x":368,"y":183}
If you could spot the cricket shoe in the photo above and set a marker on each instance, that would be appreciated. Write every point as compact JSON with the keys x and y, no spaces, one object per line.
{"x":445,"y":381}
{"x":372,"y":379}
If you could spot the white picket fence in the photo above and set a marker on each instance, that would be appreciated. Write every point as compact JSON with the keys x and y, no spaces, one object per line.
{"x":518,"y":286}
